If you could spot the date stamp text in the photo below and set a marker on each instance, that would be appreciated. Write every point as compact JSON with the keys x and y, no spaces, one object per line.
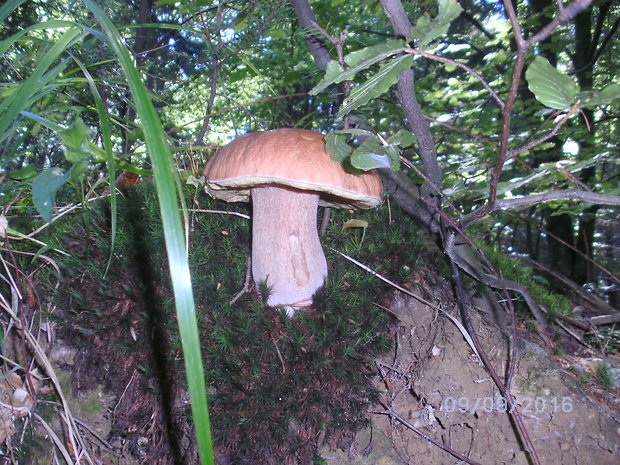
{"x":534,"y":405}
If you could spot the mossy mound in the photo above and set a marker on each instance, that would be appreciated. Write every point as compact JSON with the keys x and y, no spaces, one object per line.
{"x":279,"y":386}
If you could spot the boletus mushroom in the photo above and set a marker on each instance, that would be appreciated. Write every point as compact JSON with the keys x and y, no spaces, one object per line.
{"x":287,"y":173}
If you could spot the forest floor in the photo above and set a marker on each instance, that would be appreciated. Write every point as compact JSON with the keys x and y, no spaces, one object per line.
{"x":128,"y":397}
{"x":432,"y":380}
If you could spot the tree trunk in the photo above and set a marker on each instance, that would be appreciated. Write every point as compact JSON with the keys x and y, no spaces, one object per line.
{"x":583,"y":270}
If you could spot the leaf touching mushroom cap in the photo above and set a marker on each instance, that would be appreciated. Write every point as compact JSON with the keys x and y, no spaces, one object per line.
{"x":290,"y":158}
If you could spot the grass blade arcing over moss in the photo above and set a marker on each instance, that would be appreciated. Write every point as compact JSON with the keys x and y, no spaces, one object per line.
{"x":160,"y":154}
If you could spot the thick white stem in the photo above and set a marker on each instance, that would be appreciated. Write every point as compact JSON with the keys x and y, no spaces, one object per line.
{"x":286,"y":251}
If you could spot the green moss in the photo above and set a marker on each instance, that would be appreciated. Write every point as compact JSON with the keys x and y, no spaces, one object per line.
{"x":512,"y":269}
{"x":603,"y":376}
{"x":90,"y":407}
{"x":273,"y":378}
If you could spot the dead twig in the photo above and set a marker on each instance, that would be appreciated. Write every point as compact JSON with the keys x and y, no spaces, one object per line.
{"x":219,"y":212}
{"x":247,"y":284}
{"x":456,"y":322}
{"x":395,"y":416}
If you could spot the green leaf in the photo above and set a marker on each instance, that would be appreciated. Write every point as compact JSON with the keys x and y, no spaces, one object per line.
{"x":356,"y":132}
{"x":550,"y":87}
{"x":26,"y":172}
{"x":336,"y":145}
{"x":358,"y":60}
{"x":371,"y":154}
{"x":377,"y":84}
{"x":604,"y":97}
{"x":370,"y":55}
{"x":7,"y":8}
{"x":427,"y":29}
{"x":44,"y":188}
{"x":402,"y":138}
{"x":40,"y":77}
{"x":75,"y":140}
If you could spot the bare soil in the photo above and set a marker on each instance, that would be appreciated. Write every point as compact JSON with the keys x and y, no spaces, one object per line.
{"x":436,"y":384}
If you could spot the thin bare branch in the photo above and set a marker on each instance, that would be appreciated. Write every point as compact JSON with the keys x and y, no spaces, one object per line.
{"x":531,"y":144}
{"x":567,"y":194}
{"x":535,"y":199}
{"x":463,"y":66}
{"x":567,"y":12}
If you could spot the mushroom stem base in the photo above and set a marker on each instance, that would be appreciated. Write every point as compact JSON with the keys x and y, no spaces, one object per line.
{"x":286,"y":251}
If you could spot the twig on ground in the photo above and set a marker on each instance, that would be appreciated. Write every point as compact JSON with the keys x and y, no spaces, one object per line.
{"x":456,"y":322}
{"x":221,"y":212}
{"x":247,"y":284}
{"x":395,"y":416}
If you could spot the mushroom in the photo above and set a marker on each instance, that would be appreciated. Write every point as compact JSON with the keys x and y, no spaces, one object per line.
{"x":288,"y":173}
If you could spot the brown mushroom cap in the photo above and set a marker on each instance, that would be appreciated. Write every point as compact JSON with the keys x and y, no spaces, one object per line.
{"x":288,"y":157}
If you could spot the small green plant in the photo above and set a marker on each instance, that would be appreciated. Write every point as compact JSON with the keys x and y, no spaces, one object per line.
{"x":603,"y":375}
{"x":606,"y":339}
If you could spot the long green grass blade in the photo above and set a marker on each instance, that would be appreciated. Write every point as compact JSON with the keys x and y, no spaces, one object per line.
{"x":11,"y":107}
{"x":106,"y":132}
{"x":161,"y":156}
{"x":45,"y":25}
{"x":8,"y":7}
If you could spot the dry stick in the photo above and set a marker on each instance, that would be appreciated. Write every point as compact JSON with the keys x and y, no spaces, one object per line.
{"x":456,"y":322}
{"x":247,"y":284}
{"x":392,"y":414}
{"x":448,"y":246}
{"x":529,"y":145}
{"x":45,"y":363}
{"x":63,"y":211}
{"x":95,"y":434}
{"x":56,"y":440}
{"x":504,"y":389}
{"x":463,"y":331}
{"x":222,"y":212}
{"x":536,"y":199}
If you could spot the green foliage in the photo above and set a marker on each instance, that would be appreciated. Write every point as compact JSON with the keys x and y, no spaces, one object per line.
{"x":604,"y":376}
{"x":427,"y":29}
{"x":559,"y":91}
{"x":167,"y":194}
{"x":551,"y":88}
{"x":374,"y":152}
{"x":511,"y":269}
{"x":606,"y":339}
{"x":357,"y":61}
{"x":376,"y":85}
{"x":66,"y":123}
{"x":44,"y":188}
